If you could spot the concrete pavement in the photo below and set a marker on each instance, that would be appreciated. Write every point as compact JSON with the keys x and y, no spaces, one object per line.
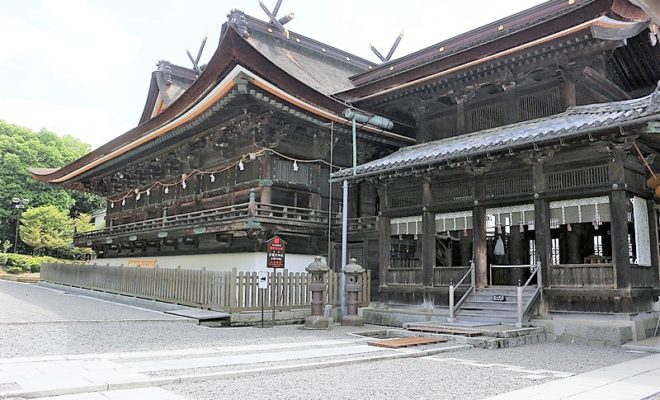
{"x":630,"y":380}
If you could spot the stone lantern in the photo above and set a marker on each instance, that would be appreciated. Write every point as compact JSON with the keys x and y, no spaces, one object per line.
{"x":317,"y":270}
{"x":353,"y":272}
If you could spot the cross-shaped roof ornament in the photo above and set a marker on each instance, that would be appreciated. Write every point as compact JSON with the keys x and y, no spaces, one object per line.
{"x":279,"y":23}
{"x":392,"y":49}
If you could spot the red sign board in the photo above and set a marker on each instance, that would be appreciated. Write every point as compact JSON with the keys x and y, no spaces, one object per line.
{"x":275,"y":249}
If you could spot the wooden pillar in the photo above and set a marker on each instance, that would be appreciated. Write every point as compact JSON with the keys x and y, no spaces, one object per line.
{"x":466,"y":248}
{"x":384,"y":238}
{"x":461,"y":126}
{"x":619,"y":230}
{"x":567,"y":89}
{"x":543,"y":236}
{"x":266,"y":191}
{"x":574,"y":239}
{"x":511,"y":113}
{"x":516,"y":254}
{"x":428,"y":235}
{"x":479,"y":245}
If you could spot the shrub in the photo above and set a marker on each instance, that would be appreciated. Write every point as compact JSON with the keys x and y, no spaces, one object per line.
{"x":13,"y":270}
{"x":15,"y":261}
{"x":24,"y":263}
{"x":3,"y":259}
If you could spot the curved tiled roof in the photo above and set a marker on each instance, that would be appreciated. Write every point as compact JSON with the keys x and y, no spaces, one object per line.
{"x":572,"y":122}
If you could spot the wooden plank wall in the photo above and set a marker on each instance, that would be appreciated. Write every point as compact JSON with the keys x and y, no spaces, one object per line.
{"x":231,"y":291}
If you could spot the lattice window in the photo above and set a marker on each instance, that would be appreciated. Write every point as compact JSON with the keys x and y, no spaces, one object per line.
{"x":555,"y":255}
{"x":540,"y":104}
{"x":405,"y":196}
{"x":532,"y":252}
{"x":598,"y":245}
{"x":283,"y":170}
{"x":484,"y":117}
{"x":508,"y":186}
{"x":578,"y":178}
{"x":452,"y":191}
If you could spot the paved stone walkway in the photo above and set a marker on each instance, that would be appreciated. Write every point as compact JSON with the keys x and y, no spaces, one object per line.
{"x":108,"y":375}
{"x":630,"y":380}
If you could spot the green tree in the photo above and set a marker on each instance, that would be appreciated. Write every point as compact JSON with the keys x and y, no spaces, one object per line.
{"x":83,"y":223}
{"x":21,"y":148}
{"x":46,"y":228}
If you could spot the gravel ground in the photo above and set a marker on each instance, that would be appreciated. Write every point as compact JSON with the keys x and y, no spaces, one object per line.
{"x":413,"y":378}
{"x":53,"y":323}
{"x":554,"y":356}
{"x":115,"y":298}
{"x":28,"y":303}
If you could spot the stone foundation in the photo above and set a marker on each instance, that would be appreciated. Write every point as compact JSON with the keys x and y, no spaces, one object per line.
{"x":600,"y":330}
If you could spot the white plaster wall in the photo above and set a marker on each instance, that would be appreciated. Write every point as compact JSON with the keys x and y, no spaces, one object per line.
{"x":217,"y":262}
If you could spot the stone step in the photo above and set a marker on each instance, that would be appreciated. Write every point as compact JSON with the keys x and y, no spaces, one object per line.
{"x":509,"y":299}
{"x":493,"y":313}
{"x":489,"y":319}
{"x":485,"y":305}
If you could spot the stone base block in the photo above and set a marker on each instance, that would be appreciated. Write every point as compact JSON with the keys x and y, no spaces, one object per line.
{"x":317,"y":322}
{"x":352,"y":320}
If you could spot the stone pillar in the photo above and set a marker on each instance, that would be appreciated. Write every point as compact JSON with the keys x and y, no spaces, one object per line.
{"x":353,"y":273}
{"x":318,"y":271}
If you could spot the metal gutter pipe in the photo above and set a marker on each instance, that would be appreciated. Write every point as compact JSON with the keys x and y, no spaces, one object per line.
{"x":375,"y":120}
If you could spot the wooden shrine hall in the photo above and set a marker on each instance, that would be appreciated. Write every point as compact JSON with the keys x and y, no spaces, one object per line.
{"x":522,"y":152}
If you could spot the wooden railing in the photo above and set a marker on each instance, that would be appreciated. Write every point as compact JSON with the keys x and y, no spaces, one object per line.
{"x":581,"y":275}
{"x":230,"y":291}
{"x":442,"y":276}
{"x":642,"y":277}
{"x":259,"y":212}
{"x":404,"y":271}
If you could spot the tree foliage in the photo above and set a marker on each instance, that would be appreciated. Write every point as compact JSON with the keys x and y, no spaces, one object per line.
{"x":46,"y":228}
{"x":21,"y":148}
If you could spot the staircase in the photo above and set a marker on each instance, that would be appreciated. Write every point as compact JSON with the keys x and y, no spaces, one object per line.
{"x":479,"y":306}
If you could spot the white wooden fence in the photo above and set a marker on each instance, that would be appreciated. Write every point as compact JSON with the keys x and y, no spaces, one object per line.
{"x":230,"y":291}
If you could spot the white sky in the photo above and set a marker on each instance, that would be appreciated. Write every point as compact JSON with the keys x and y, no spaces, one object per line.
{"x":82,"y":67}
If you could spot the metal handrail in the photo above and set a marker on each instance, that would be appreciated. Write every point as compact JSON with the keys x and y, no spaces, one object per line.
{"x":522,"y":310}
{"x":454,"y":306}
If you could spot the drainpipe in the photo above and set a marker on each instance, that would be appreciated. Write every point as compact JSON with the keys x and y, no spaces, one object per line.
{"x":375,"y":120}
{"x":344,"y":244}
